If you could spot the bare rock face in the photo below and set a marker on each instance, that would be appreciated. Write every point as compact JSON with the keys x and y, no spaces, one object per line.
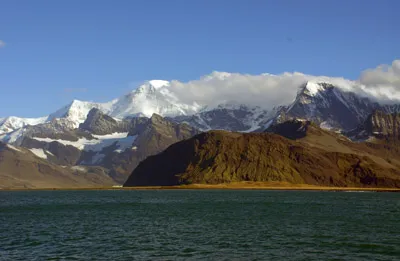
{"x":384,"y":125}
{"x":160,"y":133}
{"x":379,"y":125}
{"x":291,"y":129}
{"x":99,"y":123}
{"x":222,"y":157}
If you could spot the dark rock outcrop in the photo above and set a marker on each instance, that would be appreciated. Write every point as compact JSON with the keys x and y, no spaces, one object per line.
{"x":159,"y":133}
{"x":292,"y":129}
{"x":99,"y":123}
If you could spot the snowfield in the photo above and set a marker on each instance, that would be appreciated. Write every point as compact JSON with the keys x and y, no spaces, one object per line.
{"x":39,"y":152}
{"x":121,"y":140}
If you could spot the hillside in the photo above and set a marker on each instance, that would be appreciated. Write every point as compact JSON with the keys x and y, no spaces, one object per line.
{"x":22,"y":168}
{"x":307,"y":155}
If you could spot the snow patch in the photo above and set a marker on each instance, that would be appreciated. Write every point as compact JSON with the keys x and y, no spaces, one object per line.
{"x":77,"y":111}
{"x":159,"y":83}
{"x":14,"y":148}
{"x":13,"y":137}
{"x":122,"y":141}
{"x":313,"y":88}
{"x":12,"y":123}
{"x":49,"y":153}
{"x":79,"y":168}
{"x":325,"y":125}
{"x":39,"y":152}
{"x":269,"y":123}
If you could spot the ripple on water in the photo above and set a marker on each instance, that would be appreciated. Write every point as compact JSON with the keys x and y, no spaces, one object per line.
{"x":198,"y":225}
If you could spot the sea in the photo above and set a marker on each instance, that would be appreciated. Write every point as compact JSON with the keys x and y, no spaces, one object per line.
{"x":199,"y":225}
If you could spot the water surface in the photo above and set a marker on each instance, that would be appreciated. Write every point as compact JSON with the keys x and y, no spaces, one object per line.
{"x":199,"y":225}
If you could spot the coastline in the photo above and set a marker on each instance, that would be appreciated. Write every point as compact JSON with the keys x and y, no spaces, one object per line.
{"x":226,"y":186}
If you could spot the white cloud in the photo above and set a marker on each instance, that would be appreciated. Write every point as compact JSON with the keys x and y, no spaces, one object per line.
{"x":268,"y":91}
{"x":383,"y":82}
{"x":2,"y":44}
{"x":219,"y":87}
{"x":382,"y":75}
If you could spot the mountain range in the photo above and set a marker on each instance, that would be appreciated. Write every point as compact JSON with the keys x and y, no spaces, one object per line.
{"x":116,"y":136}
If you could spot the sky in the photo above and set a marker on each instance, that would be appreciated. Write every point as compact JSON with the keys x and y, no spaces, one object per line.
{"x":52,"y":52}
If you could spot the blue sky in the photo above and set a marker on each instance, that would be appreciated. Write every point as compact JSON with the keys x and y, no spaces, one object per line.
{"x":56,"y":51}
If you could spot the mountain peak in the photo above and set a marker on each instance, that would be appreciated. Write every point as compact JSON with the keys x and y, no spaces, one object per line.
{"x":151,"y":86}
{"x":156,"y":118}
{"x":77,"y":110}
{"x":313,"y":88}
{"x":159,"y":83}
{"x":12,"y":123}
{"x":76,"y":102}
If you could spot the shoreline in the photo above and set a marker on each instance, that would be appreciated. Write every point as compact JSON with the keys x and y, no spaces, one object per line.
{"x":228,"y":186}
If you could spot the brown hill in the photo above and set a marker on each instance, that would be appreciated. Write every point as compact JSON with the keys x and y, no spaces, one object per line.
{"x":20,"y":168}
{"x":309,"y":155}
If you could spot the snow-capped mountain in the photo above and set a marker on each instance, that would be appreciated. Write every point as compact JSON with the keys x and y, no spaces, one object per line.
{"x":151,"y":97}
{"x":331,"y":107}
{"x":77,"y":111}
{"x":327,"y":104}
{"x":12,"y":123}
{"x":117,"y":145}
{"x":232,"y":117}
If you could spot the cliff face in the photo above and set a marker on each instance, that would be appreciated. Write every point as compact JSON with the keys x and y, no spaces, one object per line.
{"x":379,"y":125}
{"x":159,"y":133}
{"x":101,"y":124}
{"x":315,"y":157}
{"x":383,"y":125}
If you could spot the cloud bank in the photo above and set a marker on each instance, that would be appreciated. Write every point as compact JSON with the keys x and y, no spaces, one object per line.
{"x":382,"y":83}
{"x":267,"y":90}
{"x":2,"y":44}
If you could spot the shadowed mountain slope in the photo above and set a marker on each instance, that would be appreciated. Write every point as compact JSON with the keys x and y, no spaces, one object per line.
{"x":309,"y":155}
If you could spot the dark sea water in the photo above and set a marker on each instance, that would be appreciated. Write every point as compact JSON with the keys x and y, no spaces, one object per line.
{"x":199,"y":225}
